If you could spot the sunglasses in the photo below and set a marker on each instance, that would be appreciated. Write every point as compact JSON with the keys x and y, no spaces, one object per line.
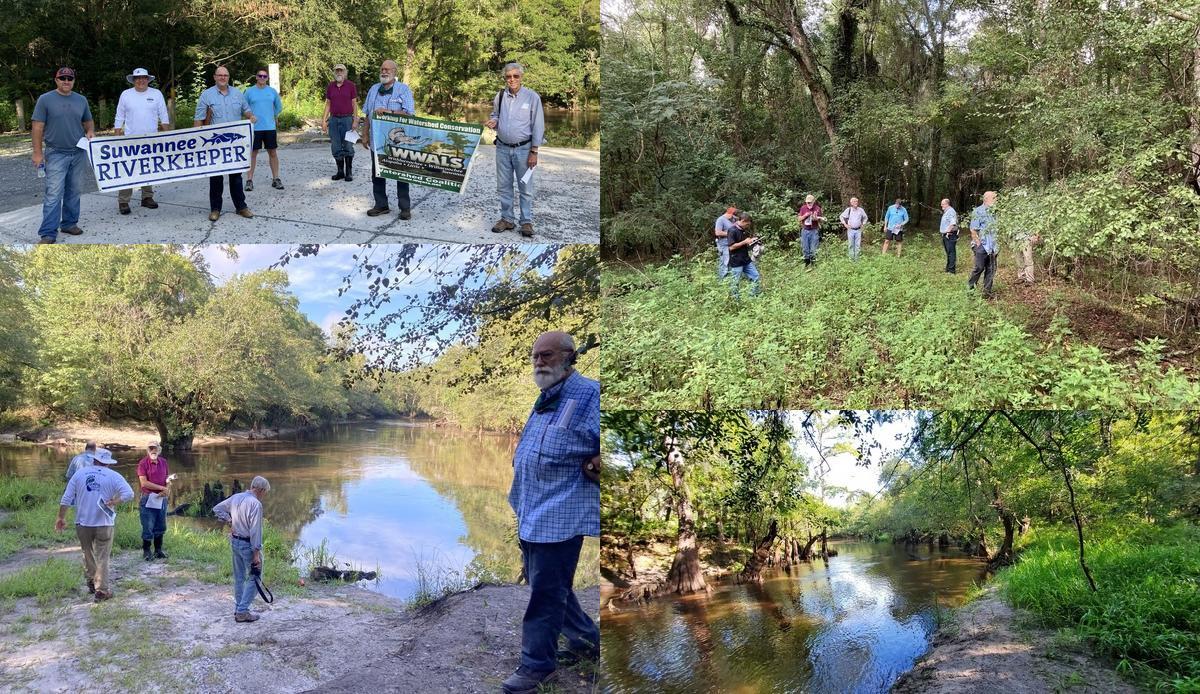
{"x":512,"y":77}
{"x":262,"y":77}
{"x":65,"y":79}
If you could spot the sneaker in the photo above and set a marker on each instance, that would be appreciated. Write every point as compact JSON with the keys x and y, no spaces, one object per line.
{"x":149,"y":202}
{"x":276,"y":183}
{"x":245,"y":617}
{"x":249,"y":185}
{"x":526,"y":681}
{"x":503,"y":225}
{"x":123,"y":207}
{"x":73,"y":231}
{"x":245,"y":212}
{"x":376,"y":211}
{"x":101,"y":596}
{"x":405,"y":214}
{"x":214,"y":216}
{"x":527,"y":230}
{"x":46,"y":239}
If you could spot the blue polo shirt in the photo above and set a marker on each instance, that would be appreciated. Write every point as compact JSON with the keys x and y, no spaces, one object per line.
{"x":265,"y":104}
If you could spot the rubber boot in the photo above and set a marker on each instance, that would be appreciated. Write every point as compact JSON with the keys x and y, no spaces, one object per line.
{"x":349,"y":164}
{"x":341,"y":170}
{"x":146,"y":550}
{"x":158,"y":553}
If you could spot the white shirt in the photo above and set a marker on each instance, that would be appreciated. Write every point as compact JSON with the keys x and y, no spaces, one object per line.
{"x":139,"y":113}
{"x":245,"y":511}
{"x":90,"y":487}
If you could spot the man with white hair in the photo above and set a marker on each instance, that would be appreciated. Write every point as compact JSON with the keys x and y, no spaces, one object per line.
{"x":983,"y":243}
{"x":854,"y":218}
{"x":140,"y":111}
{"x":557,"y":502}
{"x":244,"y":511}
{"x":809,"y":216}
{"x":95,"y":491}
{"x":949,"y":230}
{"x":520,"y":127}
{"x":82,"y":460}
{"x":387,"y":96}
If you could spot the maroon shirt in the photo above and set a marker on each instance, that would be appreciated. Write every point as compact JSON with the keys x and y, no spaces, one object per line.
{"x":341,"y":99}
{"x":807,"y":209}
{"x":156,"y":473}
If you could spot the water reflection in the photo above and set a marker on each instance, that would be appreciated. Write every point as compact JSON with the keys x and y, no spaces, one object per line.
{"x":387,"y":494}
{"x":853,"y":624}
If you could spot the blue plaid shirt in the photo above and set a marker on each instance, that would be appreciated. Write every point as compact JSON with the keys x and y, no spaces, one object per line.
{"x":981,"y":223}
{"x":550,"y":495}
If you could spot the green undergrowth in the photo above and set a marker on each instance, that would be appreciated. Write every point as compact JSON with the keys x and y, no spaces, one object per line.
{"x":1145,"y":614}
{"x":882,"y":332}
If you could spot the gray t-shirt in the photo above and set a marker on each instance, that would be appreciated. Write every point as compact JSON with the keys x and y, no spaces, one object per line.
{"x":64,"y":117}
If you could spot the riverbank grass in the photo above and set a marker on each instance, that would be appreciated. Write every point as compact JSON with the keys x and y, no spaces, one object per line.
{"x":1145,"y":613}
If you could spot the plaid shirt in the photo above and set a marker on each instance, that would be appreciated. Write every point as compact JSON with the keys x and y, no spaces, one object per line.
{"x":550,"y":495}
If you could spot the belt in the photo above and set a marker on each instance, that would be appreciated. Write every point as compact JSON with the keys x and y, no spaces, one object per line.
{"x":341,"y":115}
{"x":519,"y":144}
{"x":239,"y":537}
{"x":855,"y":228}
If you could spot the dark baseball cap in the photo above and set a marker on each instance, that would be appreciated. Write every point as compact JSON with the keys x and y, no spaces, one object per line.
{"x":64,"y":72}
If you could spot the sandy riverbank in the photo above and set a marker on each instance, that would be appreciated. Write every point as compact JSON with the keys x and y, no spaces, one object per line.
{"x":326,"y":638}
{"x":989,"y":647}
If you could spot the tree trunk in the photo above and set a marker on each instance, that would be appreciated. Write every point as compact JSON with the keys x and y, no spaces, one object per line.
{"x":753,"y":571}
{"x":1004,"y":556}
{"x":824,"y":546}
{"x":806,"y":553}
{"x":19,"y":105}
{"x":685,"y":575}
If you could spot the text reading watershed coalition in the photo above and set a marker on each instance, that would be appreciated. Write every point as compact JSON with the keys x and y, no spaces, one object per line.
{"x":182,"y":160}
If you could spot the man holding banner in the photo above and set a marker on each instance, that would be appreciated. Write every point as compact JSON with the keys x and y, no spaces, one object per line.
{"x":221,"y":103}
{"x":61,"y":118}
{"x":520,"y":127}
{"x":387,"y":97}
{"x":140,"y":111}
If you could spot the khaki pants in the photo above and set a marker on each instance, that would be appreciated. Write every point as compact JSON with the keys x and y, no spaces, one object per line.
{"x":1025,"y":262}
{"x":125,"y":194}
{"x":97,"y":546}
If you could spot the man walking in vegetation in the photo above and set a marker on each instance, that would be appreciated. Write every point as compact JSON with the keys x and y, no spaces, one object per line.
{"x":244,"y":511}
{"x":949,"y":231}
{"x":721,"y":231}
{"x":341,"y":117}
{"x":60,"y":118}
{"x":95,"y":491}
{"x":740,"y":261}
{"x":893,"y":224}
{"x":983,"y":243}
{"x":140,"y":111}
{"x":854,"y":218}
{"x":556,"y":504}
{"x":809,"y":216}
{"x":520,"y":127}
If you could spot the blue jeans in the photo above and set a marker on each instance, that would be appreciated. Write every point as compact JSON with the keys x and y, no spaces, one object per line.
{"x":553,"y":608}
{"x":722,"y":258}
{"x":243,"y":582}
{"x":379,"y":189}
{"x":513,"y":162}
{"x":735,"y":276}
{"x":338,"y":127}
{"x":809,"y":239}
{"x":154,"y":520}
{"x":854,"y":236}
{"x":65,"y":176}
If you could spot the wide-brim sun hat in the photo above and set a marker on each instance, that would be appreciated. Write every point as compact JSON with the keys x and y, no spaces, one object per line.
{"x":104,"y":457}
{"x":138,"y":72}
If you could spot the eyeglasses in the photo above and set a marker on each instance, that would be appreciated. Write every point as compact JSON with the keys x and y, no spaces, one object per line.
{"x":263,"y":77}
{"x":66,"y":79}
{"x":512,"y":77}
{"x":546,"y":356}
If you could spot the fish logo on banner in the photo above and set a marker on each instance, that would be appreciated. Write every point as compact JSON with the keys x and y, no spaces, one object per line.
{"x":175,"y":155}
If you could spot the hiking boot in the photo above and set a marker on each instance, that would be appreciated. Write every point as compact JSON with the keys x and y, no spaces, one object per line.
{"x":341,"y":164}
{"x":406,"y":214}
{"x":249,"y":185}
{"x":46,"y":239}
{"x":527,"y":230}
{"x":91,"y":587}
{"x":73,"y":231}
{"x":214,"y":216}
{"x":525,"y":681}
{"x":245,"y":617}
{"x":503,"y":225}
{"x":376,"y":211}
{"x":149,"y":203}
{"x":101,"y":596}
{"x":158,"y":553}
{"x":123,"y":207}
{"x":349,"y":166}
{"x":277,"y":184}
{"x":245,"y":212}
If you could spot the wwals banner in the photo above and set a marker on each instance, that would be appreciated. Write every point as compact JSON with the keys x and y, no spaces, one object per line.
{"x":129,"y":161}
{"x":425,"y":151}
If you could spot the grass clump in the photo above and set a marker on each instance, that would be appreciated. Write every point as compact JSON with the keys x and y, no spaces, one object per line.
{"x":1146,"y":611}
{"x":52,"y":578}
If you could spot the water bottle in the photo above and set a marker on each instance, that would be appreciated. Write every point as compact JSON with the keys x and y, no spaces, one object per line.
{"x":41,"y":169}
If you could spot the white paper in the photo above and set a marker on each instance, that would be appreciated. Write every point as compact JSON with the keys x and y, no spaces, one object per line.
{"x":154,"y":501}
{"x":108,"y":510}
{"x":527,"y":177}
{"x":351,"y":136}
{"x":83,"y":143}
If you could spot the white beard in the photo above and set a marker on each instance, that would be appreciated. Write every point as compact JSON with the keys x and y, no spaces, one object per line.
{"x":545,"y":377}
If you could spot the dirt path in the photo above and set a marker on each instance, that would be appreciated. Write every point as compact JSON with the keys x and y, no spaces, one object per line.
{"x":332,"y":638}
{"x":987,"y":650}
